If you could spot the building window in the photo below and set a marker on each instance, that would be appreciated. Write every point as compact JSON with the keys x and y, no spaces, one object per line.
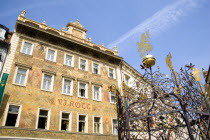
{"x":67,"y":86}
{"x":114,"y":126}
{"x":82,"y":126}
{"x":21,"y":76}
{"x":111,"y":73}
{"x":13,"y":116}
{"x":96,"y":93}
{"x":3,"y":52}
{"x":83,"y":64}
{"x":82,"y":90}
{"x":65,"y":121}
{"x":51,"y":55}
{"x":126,"y":79}
{"x":112,"y":97}
{"x":2,"y":34}
{"x":69,"y":61}
{"x":97,"y":125}
{"x":27,"y":48}
{"x":96,"y":68}
{"x":47,"y":82}
{"x":43,"y":119}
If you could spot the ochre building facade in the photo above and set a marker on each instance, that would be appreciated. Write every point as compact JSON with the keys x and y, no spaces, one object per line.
{"x":58,"y":84}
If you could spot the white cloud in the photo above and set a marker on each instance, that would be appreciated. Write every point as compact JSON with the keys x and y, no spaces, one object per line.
{"x":160,"y":21}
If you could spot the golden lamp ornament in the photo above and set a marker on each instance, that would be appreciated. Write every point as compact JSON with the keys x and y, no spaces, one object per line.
{"x":144,"y":48}
{"x":149,"y":61}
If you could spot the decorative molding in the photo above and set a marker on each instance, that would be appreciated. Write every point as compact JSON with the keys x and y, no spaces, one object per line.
{"x":83,"y":80}
{"x":97,"y":84}
{"x":23,"y":65}
{"x":47,"y":71}
{"x":66,"y":33}
{"x":69,"y":77}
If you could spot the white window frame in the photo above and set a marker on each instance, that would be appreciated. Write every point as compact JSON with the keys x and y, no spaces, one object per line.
{"x":32,"y":47}
{"x":86,"y":64}
{"x":86,"y":89}
{"x":99,"y":71}
{"x":26,"y":77}
{"x":126,"y":76}
{"x":2,"y":33}
{"x":54,"y":56}
{"x":70,"y":120}
{"x":100,"y":97}
{"x":71,"y":84}
{"x":113,"y":126}
{"x":86,"y":123}
{"x":101,"y":125}
{"x":52,"y":82}
{"x":114,"y":76}
{"x":72,"y":64}
{"x":48,"y":118}
{"x":18,"y":117}
{"x":111,"y":98}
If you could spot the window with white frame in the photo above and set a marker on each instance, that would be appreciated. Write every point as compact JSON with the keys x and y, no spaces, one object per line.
{"x":67,"y":86}
{"x":2,"y":33}
{"x":69,"y":60}
{"x":65,"y":121}
{"x":96,"y":93}
{"x":51,"y":55}
{"x":126,"y":79}
{"x":112,"y":97}
{"x":27,"y":48}
{"x":114,"y":126}
{"x":43,"y":119}
{"x":83,"y":64}
{"x":21,"y":76}
{"x":97,"y":125}
{"x":3,"y":52}
{"x":47,"y":82}
{"x":13,"y":115}
{"x":111,"y":73}
{"x":96,"y":68}
{"x":82,"y":90}
{"x":82,"y":123}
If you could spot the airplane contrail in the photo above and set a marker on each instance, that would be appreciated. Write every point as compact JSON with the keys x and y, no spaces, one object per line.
{"x":160,"y":21}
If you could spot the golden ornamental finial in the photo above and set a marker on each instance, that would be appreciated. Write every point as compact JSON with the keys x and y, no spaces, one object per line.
{"x":196,"y":74}
{"x":44,"y":22}
{"x":23,"y":12}
{"x":115,"y":48}
{"x":168,"y":61}
{"x":144,"y":45}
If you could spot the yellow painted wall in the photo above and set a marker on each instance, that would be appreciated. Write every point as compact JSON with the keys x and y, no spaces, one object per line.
{"x":31,"y":97}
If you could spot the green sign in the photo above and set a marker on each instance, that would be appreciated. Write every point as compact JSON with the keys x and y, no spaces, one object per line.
{"x":2,"y":85}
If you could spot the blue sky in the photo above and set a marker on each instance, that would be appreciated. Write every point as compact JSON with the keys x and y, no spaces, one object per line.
{"x":181,"y":27}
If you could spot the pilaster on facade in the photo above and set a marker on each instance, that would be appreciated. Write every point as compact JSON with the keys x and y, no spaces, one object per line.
{"x":11,"y":53}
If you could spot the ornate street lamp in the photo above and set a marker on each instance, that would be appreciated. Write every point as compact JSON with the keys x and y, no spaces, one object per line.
{"x":158,"y":107}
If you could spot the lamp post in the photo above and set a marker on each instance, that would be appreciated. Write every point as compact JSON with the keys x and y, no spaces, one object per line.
{"x":179,"y":103}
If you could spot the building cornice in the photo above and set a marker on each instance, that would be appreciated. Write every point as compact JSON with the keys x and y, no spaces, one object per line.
{"x":66,"y":34}
{"x":126,"y":66}
{"x":23,"y":27}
